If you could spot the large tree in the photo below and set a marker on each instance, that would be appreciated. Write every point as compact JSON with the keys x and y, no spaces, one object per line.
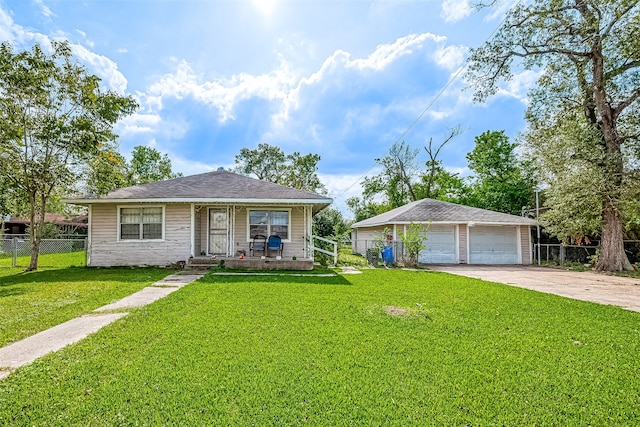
{"x":54,"y":117}
{"x":148,"y":165}
{"x":110,"y":170}
{"x":270,"y":163}
{"x":591,"y":51}
{"x":402,"y":180}
{"x":500,"y":182}
{"x":437,"y":181}
{"x":398,"y":176}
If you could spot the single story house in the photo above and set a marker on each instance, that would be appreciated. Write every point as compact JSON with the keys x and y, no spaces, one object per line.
{"x":457,"y":234}
{"x":215,"y":213}
{"x":67,"y":225}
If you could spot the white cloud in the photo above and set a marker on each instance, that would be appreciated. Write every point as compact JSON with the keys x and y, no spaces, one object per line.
{"x":44,"y":9}
{"x":104,"y":67}
{"x":519,"y":85}
{"x":340,"y":187}
{"x":455,"y":10}
{"x":450,"y":57}
{"x":221,"y":94}
{"x":287,"y":91}
{"x":138,"y":123}
{"x":385,"y":54}
{"x":88,"y":42}
{"x":6,"y":24}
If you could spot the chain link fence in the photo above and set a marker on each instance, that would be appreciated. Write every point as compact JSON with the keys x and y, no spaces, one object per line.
{"x":17,"y":252}
{"x":560,"y":254}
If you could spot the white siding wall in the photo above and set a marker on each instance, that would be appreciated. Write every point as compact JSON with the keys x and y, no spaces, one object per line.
{"x":462,"y":243}
{"x":296,"y":233}
{"x":525,"y":243}
{"x":365,"y":237}
{"x":106,"y":250}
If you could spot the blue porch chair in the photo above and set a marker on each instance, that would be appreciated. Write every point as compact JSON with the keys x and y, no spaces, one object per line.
{"x":275,"y":244}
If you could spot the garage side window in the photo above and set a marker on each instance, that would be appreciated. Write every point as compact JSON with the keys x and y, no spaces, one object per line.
{"x":141,"y":223}
{"x":269,"y":223}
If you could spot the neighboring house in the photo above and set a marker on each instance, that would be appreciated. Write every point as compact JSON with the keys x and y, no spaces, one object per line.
{"x":215,"y":213}
{"x":457,"y":234}
{"x":67,"y":226}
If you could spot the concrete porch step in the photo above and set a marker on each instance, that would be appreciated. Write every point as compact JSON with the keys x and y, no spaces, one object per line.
{"x":201,"y":263}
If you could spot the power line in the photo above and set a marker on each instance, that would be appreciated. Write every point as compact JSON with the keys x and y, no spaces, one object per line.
{"x":428,"y":107}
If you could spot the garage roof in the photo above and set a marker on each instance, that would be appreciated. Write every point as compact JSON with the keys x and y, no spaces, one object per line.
{"x":430,"y":210}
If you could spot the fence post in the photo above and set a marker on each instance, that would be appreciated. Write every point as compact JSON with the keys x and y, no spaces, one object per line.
{"x":86,"y":252}
{"x":562,"y":254}
{"x":14,"y":258}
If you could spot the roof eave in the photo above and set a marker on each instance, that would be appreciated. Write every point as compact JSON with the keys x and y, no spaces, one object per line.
{"x":467,"y":223}
{"x":199,"y":200}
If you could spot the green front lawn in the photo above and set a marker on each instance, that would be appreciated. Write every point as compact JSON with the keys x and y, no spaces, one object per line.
{"x":35,"y":301}
{"x":380,"y":348}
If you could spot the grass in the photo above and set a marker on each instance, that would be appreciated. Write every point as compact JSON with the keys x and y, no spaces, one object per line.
{"x":347,"y":257}
{"x":35,"y":301}
{"x":57,"y":260}
{"x":237,"y":350}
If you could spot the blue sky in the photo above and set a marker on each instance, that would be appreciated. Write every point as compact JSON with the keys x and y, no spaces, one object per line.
{"x":341,"y":79}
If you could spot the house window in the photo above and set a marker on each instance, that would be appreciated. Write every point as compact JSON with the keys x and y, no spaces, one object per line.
{"x":269,"y":223}
{"x":141,"y":223}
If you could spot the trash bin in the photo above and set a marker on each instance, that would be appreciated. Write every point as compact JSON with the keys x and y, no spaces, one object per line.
{"x":387,"y":254}
{"x":372,"y":257}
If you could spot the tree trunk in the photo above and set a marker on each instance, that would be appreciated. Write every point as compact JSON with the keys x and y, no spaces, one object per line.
{"x":35,"y":231}
{"x":612,"y":256}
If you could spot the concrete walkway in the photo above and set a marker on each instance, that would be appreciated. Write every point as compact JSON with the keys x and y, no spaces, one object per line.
{"x":29,"y":349}
{"x":586,"y":286}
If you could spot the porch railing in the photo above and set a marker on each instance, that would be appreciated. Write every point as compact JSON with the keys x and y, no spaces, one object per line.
{"x":333,"y":253}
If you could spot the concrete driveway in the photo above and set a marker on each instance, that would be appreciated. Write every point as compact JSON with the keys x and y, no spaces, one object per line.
{"x":603,"y":289}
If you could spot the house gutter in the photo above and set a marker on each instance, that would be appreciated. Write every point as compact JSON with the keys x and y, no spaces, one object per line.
{"x":467,"y":223}
{"x":199,"y":200}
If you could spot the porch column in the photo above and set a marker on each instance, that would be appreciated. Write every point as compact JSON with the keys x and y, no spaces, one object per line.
{"x":89,"y":231}
{"x":306,"y":239}
{"x":193,"y":229}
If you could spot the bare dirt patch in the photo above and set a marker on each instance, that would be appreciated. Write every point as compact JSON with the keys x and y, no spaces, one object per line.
{"x":395,"y":311}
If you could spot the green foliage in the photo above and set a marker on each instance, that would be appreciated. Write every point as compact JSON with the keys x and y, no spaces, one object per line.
{"x":110,"y":170}
{"x":49,"y":230}
{"x":238,"y":350}
{"x":54,"y":118}
{"x":149,"y":165}
{"x":500,"y":182}
{"x":413,"y":242}
{"x":331,"y":224}
{"x":590,"y":56}
{"x":395,"y":182}
{"x":401,"y":180}
{"x":270,"y":163}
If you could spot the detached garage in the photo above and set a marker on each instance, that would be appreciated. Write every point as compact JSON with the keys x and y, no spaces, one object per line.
{"x":457,"y":234}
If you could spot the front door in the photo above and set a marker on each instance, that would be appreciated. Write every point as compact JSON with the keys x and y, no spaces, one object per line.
{"x":218,"y":231}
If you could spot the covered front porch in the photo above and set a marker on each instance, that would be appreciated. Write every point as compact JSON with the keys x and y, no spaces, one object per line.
{"x":249,"y":263}
{"x":227,"y":231}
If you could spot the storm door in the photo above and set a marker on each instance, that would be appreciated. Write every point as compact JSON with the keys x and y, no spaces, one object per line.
{"x":218,"y":231}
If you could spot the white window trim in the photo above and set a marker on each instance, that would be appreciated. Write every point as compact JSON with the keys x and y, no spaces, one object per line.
{"x":118,"y":207}
{"x":289,"y":226}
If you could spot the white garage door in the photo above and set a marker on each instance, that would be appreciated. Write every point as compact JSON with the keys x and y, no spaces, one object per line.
{"x":441,"y":245}
{"x":493,"y":245}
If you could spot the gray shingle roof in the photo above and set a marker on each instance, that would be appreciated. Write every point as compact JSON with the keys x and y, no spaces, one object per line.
{"x":438,"y":211}
{"x":211,"y":186}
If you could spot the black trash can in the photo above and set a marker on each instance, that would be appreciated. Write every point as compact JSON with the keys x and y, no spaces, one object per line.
{"x":372,"y":256}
